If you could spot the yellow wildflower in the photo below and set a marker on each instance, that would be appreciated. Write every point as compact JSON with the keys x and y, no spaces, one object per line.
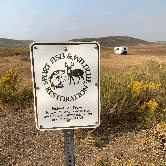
{"x":152,"y":104}
{"x":163,"y":124}
{"x":139,"y":126}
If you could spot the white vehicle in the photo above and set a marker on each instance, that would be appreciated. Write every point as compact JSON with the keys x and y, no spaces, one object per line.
{"x":121,"y":50}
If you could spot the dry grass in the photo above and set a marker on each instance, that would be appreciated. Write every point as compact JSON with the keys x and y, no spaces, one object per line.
{"x":20,"y":63}
{"x":21,"y":143}
{"x":137,"y":55}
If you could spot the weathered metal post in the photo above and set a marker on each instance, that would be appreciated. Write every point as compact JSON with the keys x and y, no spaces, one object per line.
{"x":69,"y":147}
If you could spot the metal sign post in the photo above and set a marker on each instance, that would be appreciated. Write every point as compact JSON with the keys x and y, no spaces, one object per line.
{"x":66,"y":87}
{"x":69,"y":147}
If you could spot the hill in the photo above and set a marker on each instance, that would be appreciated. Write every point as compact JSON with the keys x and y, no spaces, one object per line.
{"x":115,"y":41}
{"x":110,"y":41}
{"x":10,"y":43}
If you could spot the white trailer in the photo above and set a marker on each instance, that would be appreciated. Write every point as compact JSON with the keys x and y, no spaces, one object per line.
{"x":121,"y":50}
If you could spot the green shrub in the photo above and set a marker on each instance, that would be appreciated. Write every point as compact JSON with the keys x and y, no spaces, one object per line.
{"x":8,"y":92}
{"x":6,"y":52}
{"x":132,"y":96}
{"x":25,"y":96}
{"x":10,"y":96}
{"x":91,"y":140}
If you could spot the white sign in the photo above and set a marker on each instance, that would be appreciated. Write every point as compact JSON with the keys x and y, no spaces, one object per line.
{"x":66,"y":84}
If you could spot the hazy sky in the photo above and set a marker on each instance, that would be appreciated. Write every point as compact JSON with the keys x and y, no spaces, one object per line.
{"x":62,"y":20}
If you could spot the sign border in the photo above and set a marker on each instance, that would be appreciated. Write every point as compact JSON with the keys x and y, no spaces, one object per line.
{"x":34,"y":83}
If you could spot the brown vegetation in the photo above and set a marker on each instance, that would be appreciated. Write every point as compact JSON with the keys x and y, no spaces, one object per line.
{"x":22,"y":144}
{"x":136,"y":56}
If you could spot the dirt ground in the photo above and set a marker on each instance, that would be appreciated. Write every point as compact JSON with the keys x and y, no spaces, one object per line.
{"x":22,"y":144}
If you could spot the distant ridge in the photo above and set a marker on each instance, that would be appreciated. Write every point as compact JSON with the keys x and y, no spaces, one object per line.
{"x":14,"y":43}
{"x":110,"y":41}
{"x":113,"y":41}
{"x":161,"y":42}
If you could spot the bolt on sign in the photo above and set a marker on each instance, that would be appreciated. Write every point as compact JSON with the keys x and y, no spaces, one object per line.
{"x":66,"y":84}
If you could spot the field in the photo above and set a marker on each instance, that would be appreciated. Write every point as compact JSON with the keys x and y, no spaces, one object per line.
{"x":132,"y":129}
{"x":137,"y":55}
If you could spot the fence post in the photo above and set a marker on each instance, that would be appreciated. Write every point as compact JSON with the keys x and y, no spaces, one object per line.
{"x":69,"y":147}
